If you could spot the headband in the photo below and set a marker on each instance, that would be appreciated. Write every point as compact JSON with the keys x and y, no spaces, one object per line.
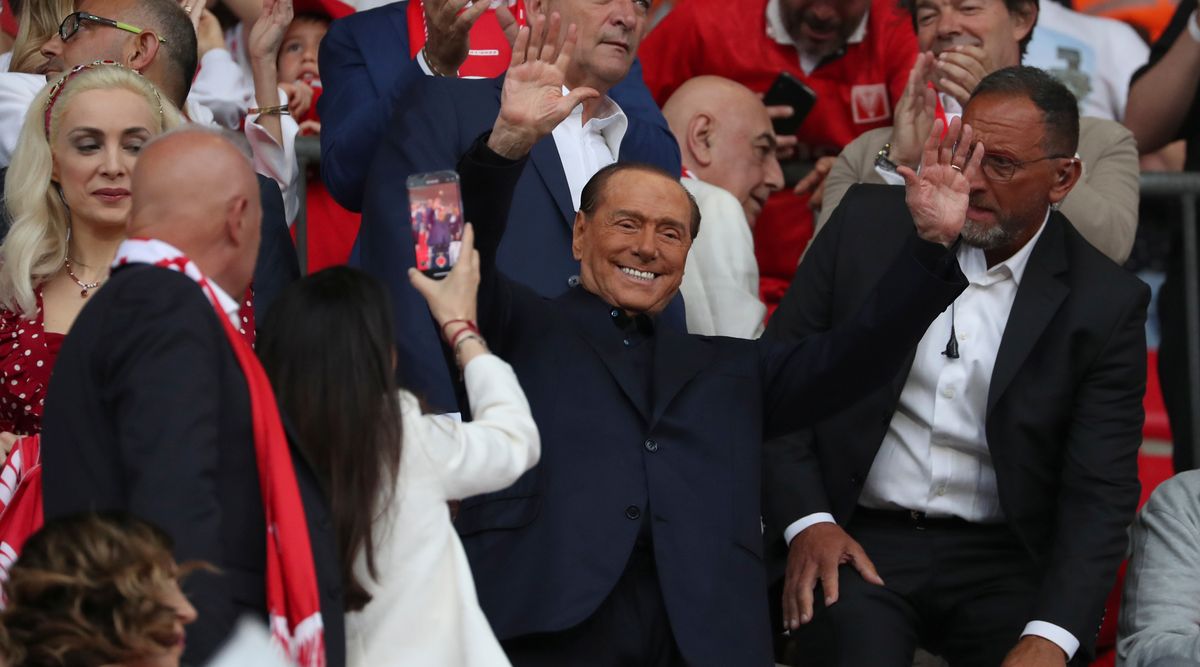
{"x":62,"y":83}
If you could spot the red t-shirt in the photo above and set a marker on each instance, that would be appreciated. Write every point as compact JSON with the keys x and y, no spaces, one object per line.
{"x":856,"y":92}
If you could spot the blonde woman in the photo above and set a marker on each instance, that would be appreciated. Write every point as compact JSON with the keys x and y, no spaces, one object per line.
{"x":67,"y":193}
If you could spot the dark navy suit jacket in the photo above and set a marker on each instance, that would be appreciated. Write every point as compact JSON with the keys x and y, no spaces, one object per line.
{"x":547,"y":551}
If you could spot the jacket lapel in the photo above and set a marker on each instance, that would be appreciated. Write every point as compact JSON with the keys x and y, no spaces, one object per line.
{"x":591,"y":319}
{"x":678,"y":357}
{"x":1039,"y":297}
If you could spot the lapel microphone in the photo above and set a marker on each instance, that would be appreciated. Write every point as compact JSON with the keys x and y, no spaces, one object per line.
{"x":951,"y":351}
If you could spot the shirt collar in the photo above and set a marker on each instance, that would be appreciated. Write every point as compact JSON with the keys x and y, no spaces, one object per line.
{"x":610,"y":122}
{"x":777,"y":31}
{"x":974,"y":264}
{"x":641,"y":323}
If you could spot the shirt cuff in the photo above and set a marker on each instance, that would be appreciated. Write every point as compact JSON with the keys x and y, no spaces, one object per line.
{"x":890,"y":177}
{"x":1065,"y":640}
{"x":424,"y":65}
{"x":799,"y":525}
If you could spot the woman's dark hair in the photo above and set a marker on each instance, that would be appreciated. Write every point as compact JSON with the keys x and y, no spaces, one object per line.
{"x":86,"y":590}
{"x":327,"y":346}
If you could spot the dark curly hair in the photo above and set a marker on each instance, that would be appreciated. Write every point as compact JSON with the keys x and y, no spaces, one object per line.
{"x":86,"y":590}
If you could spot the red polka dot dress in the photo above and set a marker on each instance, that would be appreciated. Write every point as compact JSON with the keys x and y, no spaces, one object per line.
{"x":27,"y":353}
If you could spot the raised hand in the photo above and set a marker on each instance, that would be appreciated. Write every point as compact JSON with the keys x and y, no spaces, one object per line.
{"x":938,"y":196}
{"x":267,"y":33}
{"x":532,"y":102}
{"x":449,"y":27}
{"x":915,"y":112}
{"x":454,"y":297}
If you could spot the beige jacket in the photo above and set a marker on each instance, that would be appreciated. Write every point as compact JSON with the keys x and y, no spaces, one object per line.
{"x":1103,"y":205}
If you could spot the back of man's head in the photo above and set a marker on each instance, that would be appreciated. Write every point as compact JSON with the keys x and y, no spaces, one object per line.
{"x":1059,"y":107}
{"x":726,"y":139}
{"x":194,"y":189}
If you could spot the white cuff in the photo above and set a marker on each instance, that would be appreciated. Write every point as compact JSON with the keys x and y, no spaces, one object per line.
{"x":1065,"y":640}
{"x":799,"y":525}
{"x":890,"y":177}
{"x":424,"y":65}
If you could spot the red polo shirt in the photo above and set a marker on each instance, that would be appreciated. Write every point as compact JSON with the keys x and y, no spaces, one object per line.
{"x":856,"y":92}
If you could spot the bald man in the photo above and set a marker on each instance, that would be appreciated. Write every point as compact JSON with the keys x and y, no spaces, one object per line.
{"x":149,"y":409}
{"x":728,"y":150}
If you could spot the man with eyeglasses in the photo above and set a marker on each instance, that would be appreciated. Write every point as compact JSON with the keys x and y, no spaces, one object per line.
{"x":961,"y":41}
{"x":975,"y":507}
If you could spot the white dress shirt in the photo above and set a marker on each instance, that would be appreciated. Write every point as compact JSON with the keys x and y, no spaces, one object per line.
{"x":934,"y":457}
{"x":777,"y":31}
{"x":586,"y":148}
{"x":720,"y":280}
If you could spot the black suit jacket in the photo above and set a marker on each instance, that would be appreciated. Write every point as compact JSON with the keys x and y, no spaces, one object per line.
{"x":148,"y":412}
{"x":1064,"y":409}
{"x":548,"y":550}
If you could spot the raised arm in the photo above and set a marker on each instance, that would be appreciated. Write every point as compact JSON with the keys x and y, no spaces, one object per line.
{"x":1154,"y":118}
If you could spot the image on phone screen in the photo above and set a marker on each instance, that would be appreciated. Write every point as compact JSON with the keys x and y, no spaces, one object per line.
{"x":435,"y":209}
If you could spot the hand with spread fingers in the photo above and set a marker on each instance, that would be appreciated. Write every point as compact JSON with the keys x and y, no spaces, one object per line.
{"x":938,"y":195}
{"x":532,"y":102}
{"x":449,"y":24}
{"x":914,"y":114}
{"x":815,"y":556}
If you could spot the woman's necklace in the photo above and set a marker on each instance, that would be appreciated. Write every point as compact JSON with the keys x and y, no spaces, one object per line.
{"x":85,"y":286}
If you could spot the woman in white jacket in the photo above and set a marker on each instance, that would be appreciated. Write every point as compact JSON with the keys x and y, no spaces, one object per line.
{"x":388,"y":469}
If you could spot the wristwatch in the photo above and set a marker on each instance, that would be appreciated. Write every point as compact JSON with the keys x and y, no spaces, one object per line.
{"x":883,"y":159}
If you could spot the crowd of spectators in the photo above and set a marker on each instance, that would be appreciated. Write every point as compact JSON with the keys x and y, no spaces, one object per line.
{"x":770,"y":331}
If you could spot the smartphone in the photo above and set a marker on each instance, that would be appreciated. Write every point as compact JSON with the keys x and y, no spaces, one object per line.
{"x":790,"y":91}
{"x":435,"y":210}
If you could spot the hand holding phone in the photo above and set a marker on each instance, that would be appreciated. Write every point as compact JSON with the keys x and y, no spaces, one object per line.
{"x":792,"y":92}
{"x":435,"y":213}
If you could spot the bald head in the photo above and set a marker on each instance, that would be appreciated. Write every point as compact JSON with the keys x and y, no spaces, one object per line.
{"x":725,"y":139}
{"x":194,"y":189}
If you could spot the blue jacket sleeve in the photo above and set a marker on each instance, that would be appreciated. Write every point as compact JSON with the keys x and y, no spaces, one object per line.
{"x":355,"y":106}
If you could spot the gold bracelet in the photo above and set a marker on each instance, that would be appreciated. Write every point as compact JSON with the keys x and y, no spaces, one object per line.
{"x":281,"y":110}
{"x":458,"y":345}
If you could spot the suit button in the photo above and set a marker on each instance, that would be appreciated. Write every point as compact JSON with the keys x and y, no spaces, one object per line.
{"x":633,"y":513}
{"x":614,"y":313}
{"x":650,"y":446}
{"x":572,"y":281}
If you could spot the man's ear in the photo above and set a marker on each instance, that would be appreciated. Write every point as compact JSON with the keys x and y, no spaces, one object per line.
{"x":699,"y":139}
{"x":235,"y":220}
{"x":1023,"y":19}
{"x":1065,"y":178}
{"x":577,"y":236}
{"x":141,"y":51}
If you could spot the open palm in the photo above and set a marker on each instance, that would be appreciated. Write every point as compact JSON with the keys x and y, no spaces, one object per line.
{"x":532,"y":102}
{"x":938,"y":196}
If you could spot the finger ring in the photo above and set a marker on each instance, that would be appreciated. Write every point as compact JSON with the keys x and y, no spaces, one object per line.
{"x":956,"y":168}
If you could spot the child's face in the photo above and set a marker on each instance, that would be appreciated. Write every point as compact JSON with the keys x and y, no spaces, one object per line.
{"x":298,"y":54}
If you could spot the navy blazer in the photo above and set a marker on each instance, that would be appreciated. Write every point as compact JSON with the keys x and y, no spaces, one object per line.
{"x":547,"y":551}
{"x":432,"y":129}
{"x":367,"y":74}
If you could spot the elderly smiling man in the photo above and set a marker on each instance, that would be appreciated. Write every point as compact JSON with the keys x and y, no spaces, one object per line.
{"x":637,"y":538}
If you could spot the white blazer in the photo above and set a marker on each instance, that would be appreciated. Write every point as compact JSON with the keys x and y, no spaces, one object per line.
{"x":424,"y":610}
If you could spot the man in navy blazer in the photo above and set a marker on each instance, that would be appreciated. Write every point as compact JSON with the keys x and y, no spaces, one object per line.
{"x":435,"y":121}
{"x":636,"y":540}
{"x":367,"y":74}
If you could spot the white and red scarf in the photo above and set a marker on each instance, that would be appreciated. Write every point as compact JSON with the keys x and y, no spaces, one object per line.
{"x":293,"y":596}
